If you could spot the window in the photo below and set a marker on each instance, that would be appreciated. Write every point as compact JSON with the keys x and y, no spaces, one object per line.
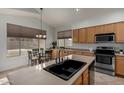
{"x":20,"y":39}
{"x":13,"y":46}
{"x":28,"y":44}
{"x":64,"y":42}
{"x":42,"y":43}
{"x":64,"y":38}
{"x":68,"y":42}
{"x":61,"y":42}
{"x":19,"y":46}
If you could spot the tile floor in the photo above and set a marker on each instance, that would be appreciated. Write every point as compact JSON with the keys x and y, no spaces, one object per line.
{"x":100,"y":79}
{"x":103,"y":79}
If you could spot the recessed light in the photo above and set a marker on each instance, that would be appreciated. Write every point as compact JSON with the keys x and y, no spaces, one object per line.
{"x":77,"y":9}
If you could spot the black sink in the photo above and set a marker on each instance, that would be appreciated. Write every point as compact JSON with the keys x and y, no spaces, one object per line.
{"x":66,"y":69}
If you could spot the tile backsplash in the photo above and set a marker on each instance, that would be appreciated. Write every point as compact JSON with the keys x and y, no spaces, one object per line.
{"x":93,"y":46}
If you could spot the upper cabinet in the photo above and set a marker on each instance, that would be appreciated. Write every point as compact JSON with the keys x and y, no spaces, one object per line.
{"x":79,"y":35}
{"x":110,"y":28}
{"x":107,"y":28}
{"x":82,"y":35}
{"x":87,"y":35}
{"x":75,"y":36}
{"x":120,"y":32}
{"x":99,"y":29}
{"x":90,"y":37}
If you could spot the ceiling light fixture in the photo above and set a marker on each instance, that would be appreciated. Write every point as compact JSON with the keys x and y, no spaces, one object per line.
{"x":77,"y":9}
{"x":44,"y":36}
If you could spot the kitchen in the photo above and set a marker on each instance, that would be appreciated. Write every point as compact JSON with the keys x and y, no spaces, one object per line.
{"x":92,"y":39}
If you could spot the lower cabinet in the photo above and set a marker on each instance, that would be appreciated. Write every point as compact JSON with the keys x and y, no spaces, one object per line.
{"x":86,"y":77}
{"x":69,"y":52}
{"x":88,"y":53}
{"x":83,"y":79}
{"x":120,"y":65}
{"x":84,"y":53}
{"x":79,"y":81}
{"x":54,"y":53}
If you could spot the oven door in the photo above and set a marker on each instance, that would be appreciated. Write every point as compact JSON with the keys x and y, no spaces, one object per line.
{"x":104,"y":59}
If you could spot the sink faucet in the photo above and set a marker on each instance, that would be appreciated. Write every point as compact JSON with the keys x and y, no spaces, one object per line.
{"x":59,"y":59}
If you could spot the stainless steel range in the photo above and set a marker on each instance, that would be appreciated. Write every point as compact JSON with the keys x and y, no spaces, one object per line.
{"x":105,"y":60}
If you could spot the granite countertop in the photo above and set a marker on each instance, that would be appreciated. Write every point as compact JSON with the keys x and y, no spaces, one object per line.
{"x":37,"y":76}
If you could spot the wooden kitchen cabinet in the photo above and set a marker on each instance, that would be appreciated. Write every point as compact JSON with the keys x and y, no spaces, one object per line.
{"x":75,"y":36}
{"x":88,"y":53}
{"x":78,"y":52}
{"x":79,"y":81}
{"x":82,"y":35}
{"x":99,"y":29}
{"x":86,"y":77}
{"x":109,"y":28}
{"x":120,"y":32}
{"x":87,"y":35}
{"x":55,"y":53}
{"x":83,"y":79}
{"x":90,"y":37}
{"x":120,"y":65}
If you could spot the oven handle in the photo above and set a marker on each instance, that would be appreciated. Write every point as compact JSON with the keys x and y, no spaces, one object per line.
{"x":105,"y":55}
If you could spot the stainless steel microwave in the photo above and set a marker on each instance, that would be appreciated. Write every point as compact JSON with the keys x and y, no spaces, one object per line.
{"x":105,"y":38}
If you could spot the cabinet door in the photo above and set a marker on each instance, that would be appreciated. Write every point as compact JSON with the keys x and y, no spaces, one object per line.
{"x":54,"y":53}
{"x":109,"y":28}
{"x":82,"y":35}
{"x":99,"y":29}
{"x":86,"y":80}
{"x":120,"y":32}
{"x":120,"y":65}
{"x":90,"y":38}
{"x":86,"y":77}
{"x":79,"y":81}
{"x":75,"y":36}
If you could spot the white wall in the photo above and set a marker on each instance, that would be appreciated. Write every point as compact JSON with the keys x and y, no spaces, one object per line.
{"x":29,"y":21}
{"x":109,"y":18}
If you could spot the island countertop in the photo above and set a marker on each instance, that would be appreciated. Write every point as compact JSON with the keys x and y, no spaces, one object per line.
{"x":35,"y":75}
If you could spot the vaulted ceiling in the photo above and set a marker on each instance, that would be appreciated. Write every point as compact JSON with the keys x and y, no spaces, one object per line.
{"x":63,"y":16}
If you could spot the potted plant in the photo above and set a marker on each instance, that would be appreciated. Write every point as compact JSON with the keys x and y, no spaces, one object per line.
{"x":54,"y":44}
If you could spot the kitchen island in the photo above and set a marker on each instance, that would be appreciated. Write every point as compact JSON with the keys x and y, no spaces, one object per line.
{"x":37,"y":76}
